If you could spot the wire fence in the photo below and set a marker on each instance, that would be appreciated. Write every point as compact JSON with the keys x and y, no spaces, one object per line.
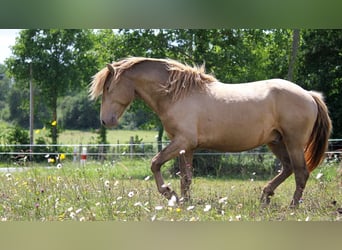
{"x":21,"y":154}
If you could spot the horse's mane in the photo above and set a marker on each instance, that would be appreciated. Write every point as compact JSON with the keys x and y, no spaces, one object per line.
{"x":182,"y":78}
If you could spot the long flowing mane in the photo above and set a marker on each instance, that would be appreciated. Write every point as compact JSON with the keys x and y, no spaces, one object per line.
{"x":182,"y":78}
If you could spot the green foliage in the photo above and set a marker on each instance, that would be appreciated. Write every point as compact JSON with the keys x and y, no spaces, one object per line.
{"x":320,"y":69}
{"x":58,"y":58}
{"x":63,"y":62}
{"x":10,"y":137}
{"x":78,"y":112}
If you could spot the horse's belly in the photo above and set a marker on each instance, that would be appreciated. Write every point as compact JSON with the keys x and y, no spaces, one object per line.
{"x":236,"y":134}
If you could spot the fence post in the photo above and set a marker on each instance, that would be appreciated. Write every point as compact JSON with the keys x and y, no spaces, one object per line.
{"x":75,"y":154}
{"x":131,"y":141}
{"x":83,"y":156}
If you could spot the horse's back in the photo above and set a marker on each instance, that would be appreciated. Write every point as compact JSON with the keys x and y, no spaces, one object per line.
{"x":234,"y":117}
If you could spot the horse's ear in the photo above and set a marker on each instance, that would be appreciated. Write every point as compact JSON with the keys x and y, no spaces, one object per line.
{"x":111,"y":69}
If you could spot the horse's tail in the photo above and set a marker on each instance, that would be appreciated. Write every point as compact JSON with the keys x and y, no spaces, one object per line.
{"x":318,"y":141}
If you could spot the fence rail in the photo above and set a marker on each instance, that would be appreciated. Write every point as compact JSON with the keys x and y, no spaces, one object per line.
{"x":39,"y":152}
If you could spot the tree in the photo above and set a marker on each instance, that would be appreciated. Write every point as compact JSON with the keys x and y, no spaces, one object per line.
{"x":320,"y":69}
{"x":4,"y":89}
{"x":293,"y":56}
{"x":62,"y":60}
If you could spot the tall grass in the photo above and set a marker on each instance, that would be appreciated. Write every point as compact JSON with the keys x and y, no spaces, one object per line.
{"x":125,"y":191}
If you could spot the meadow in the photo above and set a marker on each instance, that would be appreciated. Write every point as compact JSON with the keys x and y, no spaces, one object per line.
{"x":124,"y":190}
{"x":113,"y":136}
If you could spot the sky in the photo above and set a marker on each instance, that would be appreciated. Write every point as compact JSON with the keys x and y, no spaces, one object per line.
{"x":7,"y":39}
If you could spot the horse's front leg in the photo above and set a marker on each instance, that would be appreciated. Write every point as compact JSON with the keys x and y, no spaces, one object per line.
{"x":169,"y":152}
{"x":186,"y":170}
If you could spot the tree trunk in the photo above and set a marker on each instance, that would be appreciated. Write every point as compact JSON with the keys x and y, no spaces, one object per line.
{"x":54,"y":130}
{"x":295,"y":46}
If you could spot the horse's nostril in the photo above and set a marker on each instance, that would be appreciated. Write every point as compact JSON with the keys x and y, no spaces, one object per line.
{"x":103,"y":123}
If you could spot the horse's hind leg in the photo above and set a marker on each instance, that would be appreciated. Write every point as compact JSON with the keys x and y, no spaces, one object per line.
{"x":279,"y":149}
{"x":300,"y":170}
{"x":186,"y":159}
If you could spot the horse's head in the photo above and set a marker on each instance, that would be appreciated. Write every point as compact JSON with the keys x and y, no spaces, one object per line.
{"x":117,"y":94}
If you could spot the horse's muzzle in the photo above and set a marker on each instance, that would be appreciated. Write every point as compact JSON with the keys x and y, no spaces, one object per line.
{"x":109,"y":123}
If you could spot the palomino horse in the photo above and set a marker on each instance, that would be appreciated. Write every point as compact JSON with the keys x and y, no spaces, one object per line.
{"x":197,"y":111}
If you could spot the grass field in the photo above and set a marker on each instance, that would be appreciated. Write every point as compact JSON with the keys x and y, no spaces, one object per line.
{"x":126,"y":191}
{"x":113,"y":136}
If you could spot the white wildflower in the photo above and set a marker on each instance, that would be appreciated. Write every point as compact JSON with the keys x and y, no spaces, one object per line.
{"x":138,"y":204}
{"x":106,"y":183}
{"x":131,"y":194}
{"x":319,"y":175}
{"x":207,"y":208}
{"x":238,"y":217}
{"x":168,"y":185}
{"x":189,"y":208}
{"x":223,"y":199}
{"x":147,"y":178}
{"x":70,"y":209}
{"x":158,"y":207}
{"x":78,"y":211}
{"x":172,"y":202}
{"x":9,"y":176}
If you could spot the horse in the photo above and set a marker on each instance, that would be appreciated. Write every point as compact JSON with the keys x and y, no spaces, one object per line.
{"x":198,"y":111}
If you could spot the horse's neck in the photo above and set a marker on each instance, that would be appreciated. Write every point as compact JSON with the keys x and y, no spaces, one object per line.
{"x":147,"y":85}
{"x":149,"y":93}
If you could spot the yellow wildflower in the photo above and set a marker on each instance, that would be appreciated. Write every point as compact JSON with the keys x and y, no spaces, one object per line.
{"x":62,"y":156}
{"x":54,"y":123}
